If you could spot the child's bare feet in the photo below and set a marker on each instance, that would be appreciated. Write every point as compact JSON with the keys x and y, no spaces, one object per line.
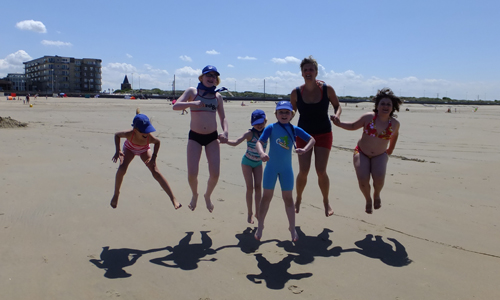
{"x":177,"y":205}
{"x":194,"y":200}
{"x":295,"y":236}
{"x":328,"y":209}
{"x":210,"y":205}
{"x":114,"y":201}
{"x":258,"y":233}
{"x":377,"y":203}
{"x":368,"y":207}
{"x":297,"y":204}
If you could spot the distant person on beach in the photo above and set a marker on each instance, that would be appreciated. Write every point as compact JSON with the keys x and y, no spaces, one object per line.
{"x":137,"y":142}
{"x":251,"y":164}
{"x":28,"y":99}
{"x":204,"y":102}
{"x":378,"y":140}
{"x":282,"y":136}
{"x":312,"y":100}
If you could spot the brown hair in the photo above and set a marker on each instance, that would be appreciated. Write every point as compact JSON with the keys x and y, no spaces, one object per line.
{"x":309,"y":60}
{"x":389,"y":94}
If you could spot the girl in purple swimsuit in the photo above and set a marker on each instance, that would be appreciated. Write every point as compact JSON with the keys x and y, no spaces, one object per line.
{"x":204,"y":102}
{"x":378,"y":140}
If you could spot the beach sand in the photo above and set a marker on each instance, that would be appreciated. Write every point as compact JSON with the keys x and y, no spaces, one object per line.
{"x":435,"y":237}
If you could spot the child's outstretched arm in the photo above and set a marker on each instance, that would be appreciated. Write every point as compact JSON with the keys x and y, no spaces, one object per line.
{"x":309,"y":146}
{"x":353,"y":125}
{"x":246,"y":136}
{"x":118,"y":152}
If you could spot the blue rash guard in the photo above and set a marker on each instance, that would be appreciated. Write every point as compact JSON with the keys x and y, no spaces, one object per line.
{"x":281,"y":141}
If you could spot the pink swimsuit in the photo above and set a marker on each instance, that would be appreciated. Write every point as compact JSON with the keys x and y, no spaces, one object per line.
{"x":136,"y":149}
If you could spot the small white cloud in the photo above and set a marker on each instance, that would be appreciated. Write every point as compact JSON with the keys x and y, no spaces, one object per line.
{"x":32,"y":25}
{"x":128,"y":55}
{"x":185,"y":58}
{"x":56,"y":43}
{"x":230,"y":66}
{"x":122,"y":67}
{"x":14,"y":61}
{"x":247,"y":58}
{"x":288,"y":59}
{"x":212,"y":52}
{"x":187,"y":71}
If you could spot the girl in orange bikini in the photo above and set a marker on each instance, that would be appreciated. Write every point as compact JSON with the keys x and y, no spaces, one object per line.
{"x":380,"y":134}
{"x":137,"y":142}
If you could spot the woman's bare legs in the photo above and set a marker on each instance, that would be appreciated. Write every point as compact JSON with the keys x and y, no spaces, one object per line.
{"x":301,"y":181}
{"x":212,"y":152}
{"x":161,"y":180}
{"x":321,"y":156}
{"x":378,"y":170}
{"x":362,"y":166}
{"x":120,"y":173}
{"x":290,"y":213}
{"x":193,"y":161}
{"x":267,"y":196}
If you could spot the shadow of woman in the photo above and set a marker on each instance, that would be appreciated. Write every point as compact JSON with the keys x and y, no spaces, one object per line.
{"x":378,"y":249}
{"x":307,"y":247}
{"x":186,"y":256}
{"x":276,"y":275}
{"x":115,"y":260}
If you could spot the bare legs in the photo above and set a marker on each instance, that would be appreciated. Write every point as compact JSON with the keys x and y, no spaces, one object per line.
{"x":253,"y":180}
{"x":376,"y":168}
{"x":321,"y":156}
{"x":122,"y":169}
{"x":289,"y":209}
{"x":212,"y":152}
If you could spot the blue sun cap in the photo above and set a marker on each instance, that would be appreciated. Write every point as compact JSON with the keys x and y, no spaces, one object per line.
{"x":209,"y":69}
{"x":258,"y":117}
{"x":284,"y":105}
{"x":142,"y":123}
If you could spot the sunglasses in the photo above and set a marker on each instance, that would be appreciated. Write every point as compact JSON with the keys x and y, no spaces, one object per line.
{"x":211,"y":75}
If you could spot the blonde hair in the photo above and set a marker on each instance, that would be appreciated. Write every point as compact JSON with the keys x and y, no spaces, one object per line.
{"x":217,"y":79}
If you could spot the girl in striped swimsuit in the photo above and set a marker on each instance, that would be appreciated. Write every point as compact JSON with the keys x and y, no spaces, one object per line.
{"x":137,"y":142}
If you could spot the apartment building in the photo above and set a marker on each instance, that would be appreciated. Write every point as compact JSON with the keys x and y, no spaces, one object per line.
{"x":18,"y":81}
{"x":59,"y":74}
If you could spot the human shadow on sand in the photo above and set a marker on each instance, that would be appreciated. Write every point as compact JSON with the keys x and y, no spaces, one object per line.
{"x":186,"y":256}
{"x":307,"y":247}
{"x":115,"y":260}
{"x":247,"y":242}
{"x":275,"y":275}
{"x":378,"y":249}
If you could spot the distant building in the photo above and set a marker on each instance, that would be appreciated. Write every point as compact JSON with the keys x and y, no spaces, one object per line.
{"x":5,"y":85}
{"x":126,"y":85}
{"x":57,"y":74}
{"x":18,"y":81}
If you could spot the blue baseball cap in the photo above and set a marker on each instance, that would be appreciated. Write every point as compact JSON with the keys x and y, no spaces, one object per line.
{"x":142,"y":123}
{"x":258,"y":117}
{"x":284,"y":105}
{"x":209,"y":69}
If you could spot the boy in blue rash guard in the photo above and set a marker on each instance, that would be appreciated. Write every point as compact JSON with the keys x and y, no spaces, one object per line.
{"x":281,"y":137}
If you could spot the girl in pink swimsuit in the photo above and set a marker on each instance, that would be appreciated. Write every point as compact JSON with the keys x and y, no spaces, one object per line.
{"x":137,"y":143}
{"x":380,"y":134}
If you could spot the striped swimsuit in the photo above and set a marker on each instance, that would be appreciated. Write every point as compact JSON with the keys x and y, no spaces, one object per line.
{"x":136,"y":149}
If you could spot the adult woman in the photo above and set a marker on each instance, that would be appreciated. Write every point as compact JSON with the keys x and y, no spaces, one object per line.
{"x":380,"y":134}
{"x":312,"y":100}
{"x":204,"y":101}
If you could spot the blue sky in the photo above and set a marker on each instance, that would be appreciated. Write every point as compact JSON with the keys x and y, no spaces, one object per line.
{"x":417,"y":48}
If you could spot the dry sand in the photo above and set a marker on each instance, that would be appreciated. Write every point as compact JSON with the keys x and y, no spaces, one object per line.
{"x":435,"y":237}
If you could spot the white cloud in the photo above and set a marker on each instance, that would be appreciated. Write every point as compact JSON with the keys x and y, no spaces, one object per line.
{"x":247,"y":58}
{"x":185,"y":58}
{"x":188,"y":71}
{"x":128,"y":55}
{"x":32,"y":25}
{"x":13,"y":63}
{"x":120,"y":67}
{"x":288,"y":59}
{"x":230,"y":66}
{"x":56,"y":43}
{"x":212,"y":52}
{"x":154,"y":71}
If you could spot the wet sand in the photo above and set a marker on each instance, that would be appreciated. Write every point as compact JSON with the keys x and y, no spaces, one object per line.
{"x":435,"y":237}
